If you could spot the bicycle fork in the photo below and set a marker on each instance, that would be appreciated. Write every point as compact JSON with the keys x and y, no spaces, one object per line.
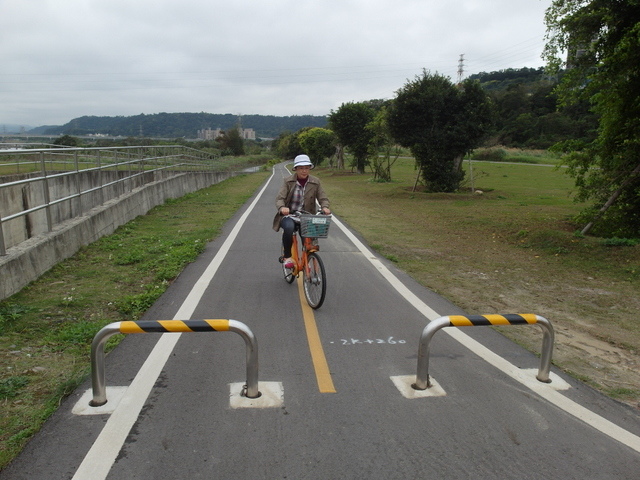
{"x":300,"y":261}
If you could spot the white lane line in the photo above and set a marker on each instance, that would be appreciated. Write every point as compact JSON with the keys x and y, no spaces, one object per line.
{"x":102,"y":455}
{"x":544,"y":390}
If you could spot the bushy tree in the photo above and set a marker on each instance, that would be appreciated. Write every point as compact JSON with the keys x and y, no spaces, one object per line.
{"x":231,"y":142}
{"x":286,"y":146}
{"x":349,"y":124}
{"x":67,"y":141}
{"x":440,"y":122}
{"x":597,"y":45}
{"x":318,"y":143}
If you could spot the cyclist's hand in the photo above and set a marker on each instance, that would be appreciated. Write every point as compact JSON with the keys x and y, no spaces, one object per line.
{"x":284,"y":211}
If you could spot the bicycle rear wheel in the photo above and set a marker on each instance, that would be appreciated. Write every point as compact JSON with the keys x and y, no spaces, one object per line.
{"x":315,"y":281}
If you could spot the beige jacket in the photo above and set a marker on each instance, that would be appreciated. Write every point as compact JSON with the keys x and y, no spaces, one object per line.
{"x":313,"y":191}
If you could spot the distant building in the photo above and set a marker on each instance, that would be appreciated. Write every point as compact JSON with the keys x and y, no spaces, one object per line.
{"x":208,"y":134}
{"x":247,"y":133}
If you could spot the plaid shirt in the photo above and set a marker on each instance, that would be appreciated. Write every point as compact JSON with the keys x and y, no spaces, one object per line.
{"x":297,"y":198}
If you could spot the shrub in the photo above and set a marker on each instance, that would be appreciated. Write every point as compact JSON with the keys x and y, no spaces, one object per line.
{"x":490,"y":154}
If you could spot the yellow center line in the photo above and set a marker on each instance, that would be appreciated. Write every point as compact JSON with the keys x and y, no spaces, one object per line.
{"x":323,"y":375}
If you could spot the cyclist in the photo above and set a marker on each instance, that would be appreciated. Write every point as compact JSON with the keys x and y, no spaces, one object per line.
{"x":299,"y":191}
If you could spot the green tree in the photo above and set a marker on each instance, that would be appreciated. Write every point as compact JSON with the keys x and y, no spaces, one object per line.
{"x":286,"y":145}
{"x":597,"y":44}
{"x":440,"y":123}
{"x":349,"y":123}
{"x":67,"y":141}
{"x":318,"y":143}
{"x":231,"y":142}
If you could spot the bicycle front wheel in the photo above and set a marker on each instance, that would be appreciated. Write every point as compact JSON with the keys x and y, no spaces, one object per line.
{"x":315,"y":281}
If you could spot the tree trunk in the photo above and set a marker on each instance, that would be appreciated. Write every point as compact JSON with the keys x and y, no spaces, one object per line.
{"x":340,"y":156}
{"x":457,"y":163}
{"x":415,"y":185}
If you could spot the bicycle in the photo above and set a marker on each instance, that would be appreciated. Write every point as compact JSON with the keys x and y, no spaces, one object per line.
{"x":307,"y":260}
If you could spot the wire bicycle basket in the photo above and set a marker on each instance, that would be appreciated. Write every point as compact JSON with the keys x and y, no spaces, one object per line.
{"x":314,"y":226}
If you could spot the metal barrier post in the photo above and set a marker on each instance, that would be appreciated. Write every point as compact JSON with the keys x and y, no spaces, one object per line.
{"x":422,"y":376}
{"x":3,"y":249}
{"x":45,"y":193}
{"x":76,"y":178}
{"x":98,"y":382}
{"x":548,"y":335}
{"x":100,"y":178}
{"x":166,"y":326}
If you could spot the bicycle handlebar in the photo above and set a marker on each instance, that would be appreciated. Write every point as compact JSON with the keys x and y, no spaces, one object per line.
{"x":297,"y":213}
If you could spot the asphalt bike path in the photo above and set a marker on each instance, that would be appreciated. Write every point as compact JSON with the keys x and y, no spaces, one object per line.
{"x":336,"y":379}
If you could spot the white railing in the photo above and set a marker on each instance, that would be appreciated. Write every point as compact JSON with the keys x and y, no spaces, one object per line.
{"x":43,"y":187}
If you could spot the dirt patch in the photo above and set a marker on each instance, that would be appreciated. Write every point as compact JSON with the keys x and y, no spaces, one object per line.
{"x":614,"y":370}
{"x":594,"y":317}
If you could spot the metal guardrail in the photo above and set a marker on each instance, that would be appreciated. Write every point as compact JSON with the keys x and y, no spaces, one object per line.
{"x":422,"y":376}
{"x":166,"y":326}
{"x":43,"y":165}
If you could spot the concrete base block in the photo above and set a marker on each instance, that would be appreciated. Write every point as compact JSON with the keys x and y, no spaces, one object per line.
{"x":114,"y":395}
{"x":272,"y":396}
{"x":556,"y":383}
{"x":404,"y":382}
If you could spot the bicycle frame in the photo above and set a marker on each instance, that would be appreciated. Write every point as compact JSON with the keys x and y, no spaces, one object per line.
{"x":300,"y":260}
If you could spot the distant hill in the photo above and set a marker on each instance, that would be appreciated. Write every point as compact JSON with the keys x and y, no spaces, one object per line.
{"x":177,"y":125}
{"x":523,"y":94}
{"x":503,"y":79}
{"x":41,"y":130}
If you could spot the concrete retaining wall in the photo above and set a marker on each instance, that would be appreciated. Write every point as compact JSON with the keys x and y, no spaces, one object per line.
{"x":27,"y":261}
{"x":25,"y":196}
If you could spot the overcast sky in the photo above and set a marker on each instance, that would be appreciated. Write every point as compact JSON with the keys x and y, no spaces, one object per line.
{"x":61,"y":59}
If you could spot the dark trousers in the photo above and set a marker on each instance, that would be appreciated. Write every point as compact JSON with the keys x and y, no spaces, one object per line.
{"x":288,"y":227}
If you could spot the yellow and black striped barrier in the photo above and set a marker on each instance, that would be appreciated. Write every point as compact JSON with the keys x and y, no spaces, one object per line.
{"x":176,"y":326}
{"x":170,"y":326}
{"x":496,"y":320}
{"x":422,"y":376}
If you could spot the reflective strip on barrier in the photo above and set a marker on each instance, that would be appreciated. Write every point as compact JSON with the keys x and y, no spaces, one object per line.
{"x":482,"y":320}
{"x":166,"y":326}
